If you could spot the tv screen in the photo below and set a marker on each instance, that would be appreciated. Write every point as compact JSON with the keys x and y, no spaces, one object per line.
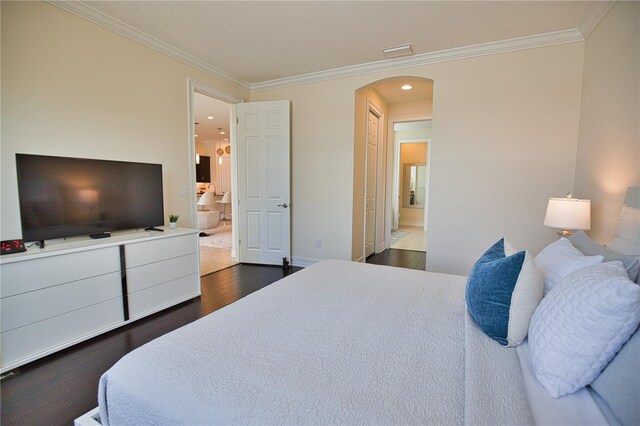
{"x":64,"y":197}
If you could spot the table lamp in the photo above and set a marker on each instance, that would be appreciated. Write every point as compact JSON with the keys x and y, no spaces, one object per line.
{"x":568,"y":214}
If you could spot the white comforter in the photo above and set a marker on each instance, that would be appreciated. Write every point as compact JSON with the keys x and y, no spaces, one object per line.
{"x":336,"y":343}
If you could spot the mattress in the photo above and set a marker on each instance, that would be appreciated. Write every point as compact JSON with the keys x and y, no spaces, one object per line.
{"x":336,"y":343}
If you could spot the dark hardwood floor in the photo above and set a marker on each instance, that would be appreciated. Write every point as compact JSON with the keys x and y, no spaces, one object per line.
{"x":401,"y":258}
{"x":60,"y":387}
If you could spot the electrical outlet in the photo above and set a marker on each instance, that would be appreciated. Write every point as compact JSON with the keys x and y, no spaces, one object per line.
{"x":318,"y":243}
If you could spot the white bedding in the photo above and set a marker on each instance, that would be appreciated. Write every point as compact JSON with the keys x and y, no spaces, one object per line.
{"x":578,"y":408}
{"x":336,"y":343}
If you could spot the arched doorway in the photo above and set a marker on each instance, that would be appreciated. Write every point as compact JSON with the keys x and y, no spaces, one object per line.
{"x":379,"y":107}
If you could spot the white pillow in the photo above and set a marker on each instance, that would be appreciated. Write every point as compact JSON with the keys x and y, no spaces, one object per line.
{"x":580,"y":326}
{"x":525,"y":297}
{"x":559,"y":259}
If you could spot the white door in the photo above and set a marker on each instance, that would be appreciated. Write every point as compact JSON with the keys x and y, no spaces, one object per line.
{"x":225,"y":175}
{"x":371,"y":174}
{"x":263,"y":213}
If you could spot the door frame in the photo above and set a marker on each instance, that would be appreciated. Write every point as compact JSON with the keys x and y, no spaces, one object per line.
{"x":235,"y":131}
{"x":195,"y":86}
{"x":371,"y":107}
{"x":393,"y":158}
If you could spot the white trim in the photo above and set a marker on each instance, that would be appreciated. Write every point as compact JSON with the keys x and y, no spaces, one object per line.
{"x":87,"y":12}
{"x":235,"y":224}
{"x":520,"y":43}
{"x":194,"y":86}
{"x":303,"y":262}
{"x":393,"y":165}
{"x":413,"y":140}
{"x":90,"y":418}
{"x":214,"y":92}
{"x":599,"y":12}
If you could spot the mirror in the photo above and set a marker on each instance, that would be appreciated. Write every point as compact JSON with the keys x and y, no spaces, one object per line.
{"x":413,"y":181}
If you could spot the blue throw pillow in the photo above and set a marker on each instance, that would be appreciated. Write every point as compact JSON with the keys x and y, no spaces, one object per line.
{"x":503,"y":290}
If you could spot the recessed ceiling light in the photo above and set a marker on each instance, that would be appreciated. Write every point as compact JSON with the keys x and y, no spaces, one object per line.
{"x":406,"y":87}
{"x":210,"y":117}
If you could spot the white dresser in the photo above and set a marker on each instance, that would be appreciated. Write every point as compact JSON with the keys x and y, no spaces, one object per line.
{"x":78,"y":288}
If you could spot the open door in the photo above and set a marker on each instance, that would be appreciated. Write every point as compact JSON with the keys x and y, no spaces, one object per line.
{"x":263,"y":182}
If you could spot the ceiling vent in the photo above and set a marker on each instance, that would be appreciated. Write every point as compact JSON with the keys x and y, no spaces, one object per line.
{"x":398,"y":51}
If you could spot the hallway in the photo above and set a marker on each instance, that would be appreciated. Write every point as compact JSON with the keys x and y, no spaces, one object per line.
{"x":409,"y":238}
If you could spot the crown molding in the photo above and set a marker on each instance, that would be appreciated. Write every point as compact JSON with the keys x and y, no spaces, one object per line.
{"x":521,"y":43}
{"x":599,"y":12}
{"x":87,"y":12}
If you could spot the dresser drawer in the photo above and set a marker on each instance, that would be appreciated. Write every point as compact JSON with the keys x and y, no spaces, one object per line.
{"x":146,"y":252}
{"x":27,"y":308}
{"x":35,"y":340}
{"x":36,"y":274}
{"x":153,"y":274}
{"x":163,"y":295}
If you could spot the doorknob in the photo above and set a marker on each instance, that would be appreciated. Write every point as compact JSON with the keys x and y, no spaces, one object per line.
{"x":285,"y":205}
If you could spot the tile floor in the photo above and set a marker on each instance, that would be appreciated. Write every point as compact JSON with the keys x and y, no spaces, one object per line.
{"x":213,"y":259}
{"x":416,"y":239}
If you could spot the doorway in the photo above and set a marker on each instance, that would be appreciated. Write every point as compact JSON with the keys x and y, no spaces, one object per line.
{"x":376,"y":189}
{"x":410,"y":192}
{"x":210,"y":116}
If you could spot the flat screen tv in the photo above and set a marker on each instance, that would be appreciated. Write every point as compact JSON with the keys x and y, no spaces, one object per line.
{"x":64,"y":197}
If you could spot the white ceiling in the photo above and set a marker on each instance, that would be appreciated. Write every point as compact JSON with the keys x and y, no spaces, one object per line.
{"x":256,"y":42}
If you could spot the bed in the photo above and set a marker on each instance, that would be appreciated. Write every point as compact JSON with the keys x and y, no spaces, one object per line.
{"x":336,"y":343}
{"x":350,"y":343}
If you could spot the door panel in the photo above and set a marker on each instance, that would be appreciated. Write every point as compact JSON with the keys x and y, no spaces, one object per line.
{"x":371,"y":174}
{"x":263,"y":182}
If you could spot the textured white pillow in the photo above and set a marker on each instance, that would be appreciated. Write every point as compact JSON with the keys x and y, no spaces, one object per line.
{"x":580,"y":326}
{"x":559,"y":259}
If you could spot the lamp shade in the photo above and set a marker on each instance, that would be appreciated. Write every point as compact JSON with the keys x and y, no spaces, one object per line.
{"x":568,"y":213}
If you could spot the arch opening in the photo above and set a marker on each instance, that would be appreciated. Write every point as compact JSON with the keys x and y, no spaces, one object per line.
{"x":380,"y":109}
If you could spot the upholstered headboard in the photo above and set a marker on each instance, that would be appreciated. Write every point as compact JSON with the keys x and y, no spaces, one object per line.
{"x":619,"y":383}
{"x":627,"y":240}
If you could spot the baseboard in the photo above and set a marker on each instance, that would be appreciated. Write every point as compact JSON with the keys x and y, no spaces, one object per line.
{"x":417,"y":224}
{"x":303,"y":262}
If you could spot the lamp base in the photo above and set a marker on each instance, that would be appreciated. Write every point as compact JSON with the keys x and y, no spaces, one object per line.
{"x":565,"y":233}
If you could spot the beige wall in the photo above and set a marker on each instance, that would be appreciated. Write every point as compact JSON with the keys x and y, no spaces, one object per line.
{"x":609,"y":142}
{"x":411,"y":153}
{"x":505,"y":128}
{"x":72,"y":88}
{"x":409,"y":110}
{"x":505,"y":131}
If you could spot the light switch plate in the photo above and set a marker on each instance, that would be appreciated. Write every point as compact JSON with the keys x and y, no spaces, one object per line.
{"x":183,"y":191}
